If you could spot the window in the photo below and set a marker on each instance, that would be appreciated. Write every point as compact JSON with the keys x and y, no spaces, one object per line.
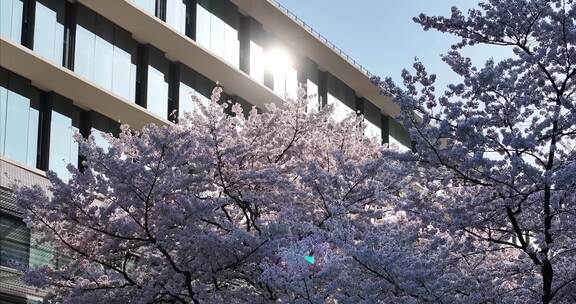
{"x":399,"y":137}
{"x":186,"y":91}
{"x":11,"y":12}
{"x":105,"y":54}
{"x":308,"y":75}
{"x":341,"y":111}
{"x":257,"y":59}
{"x":372,"y":131}
{"x":63,"y":126}
{"x":49,"y":29}
{"x":342,"y":97}
{"x":158,"y":83}
{"x":176,"y":14}
{"x":372,"y":121}
{"x":192,"y":84}
{"x":312,"y":95}
{"x":280,"y":62}
{"x":14,"y":242}
{"x":19,"y":247}
{"x":101,"y":125}
{"x":231,"y":45}
{"x":202,"y":26}
{"x":19,"y":118}
{"x":217,"y":23}
{"x":147,"y":5}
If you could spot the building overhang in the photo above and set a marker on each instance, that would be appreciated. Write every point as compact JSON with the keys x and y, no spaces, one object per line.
{"x":148,"y":29}
{"x":307,"y":44}
{"x":48,"y":76}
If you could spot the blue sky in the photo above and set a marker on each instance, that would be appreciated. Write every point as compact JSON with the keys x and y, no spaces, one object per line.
{"x":381,"y":35}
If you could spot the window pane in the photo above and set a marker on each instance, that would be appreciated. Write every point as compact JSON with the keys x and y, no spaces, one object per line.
{"x":372,"y":131}
{"x":232,"y":46}
{"x":158,"y":70}
{"x":147,"y":5}
{"x":100,"y":126}
{"x":3,"y":105}
{"x":41,"y":254}
{"x":103,"y":54}
{"x":49,"y":29}
{"x":123,"y":75}
{"x":14,"y":242}
{"x":186,"y":92}
{"x":157,"y":92}
{"x":63,"y":146}
{"x":11,"y":12}
{"x":202,"y":26}
{"x":217,"y":36}
{"x":257,"y":62}
{"x":124,"y":66}
{"x":193,"y":84}
{"x":19,"y":118}
{"x":291,"y":82}
{"x":279,"y":80}
{"x":176,"y":15}
{"x":312,"y":95}
{"x":341,"y":111}
{"x":85,"y":43}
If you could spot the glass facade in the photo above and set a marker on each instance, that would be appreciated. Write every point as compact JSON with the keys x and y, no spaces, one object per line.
{"x":64,"y":124}
{"x":217,"y":23}
{"x":158,"y":83}
{"x":257,"y":62}
{"x":105,"y":54}
{"x":14,"y":242}
{"x":285,"y":76}
{"x":49,"y":29}
{"x":19,"y":118}
{"x":11,"y":14}
{"x":372,"y":121}
{"x":312,"y":95}
{"x":37,"y":128}
{"x":176,"y":14}
{"x":341,"y":96}
{"x":101,"y":125}
{"x":147,"y":5}
{"x":399,"y":137}
{"x":192,"y":84}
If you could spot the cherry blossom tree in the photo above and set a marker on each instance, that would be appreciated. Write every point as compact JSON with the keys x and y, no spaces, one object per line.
{"x":496,"y":154}
{"x":217,"y":208}
{"x":288,"y":205}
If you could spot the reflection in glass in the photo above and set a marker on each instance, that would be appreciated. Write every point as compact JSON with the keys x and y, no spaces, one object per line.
{"x":49,"y":29}
{"x":341,"y":111}
{"x":63,"y":146}
{"x":147,"y":5}
{"x":341,"y":96}
{"x":19,"y":119}
{"x":105,"y":54}
{"x":372,"y":131}
{"x":100,"y":126}
{"x":176,"y":14}
{"x":14,"y":242}
{"x":312,"y":94}
{"x":216,"y":32}
{"x":192,"y":85}
{"x":257,"y":62}
{"x":217,"y":35}
{"x":11,"y":12}
{"x":158,"y":83}
{"x":202,"y":26}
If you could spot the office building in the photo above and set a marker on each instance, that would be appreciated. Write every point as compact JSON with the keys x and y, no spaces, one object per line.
{"x":87,"y":65}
